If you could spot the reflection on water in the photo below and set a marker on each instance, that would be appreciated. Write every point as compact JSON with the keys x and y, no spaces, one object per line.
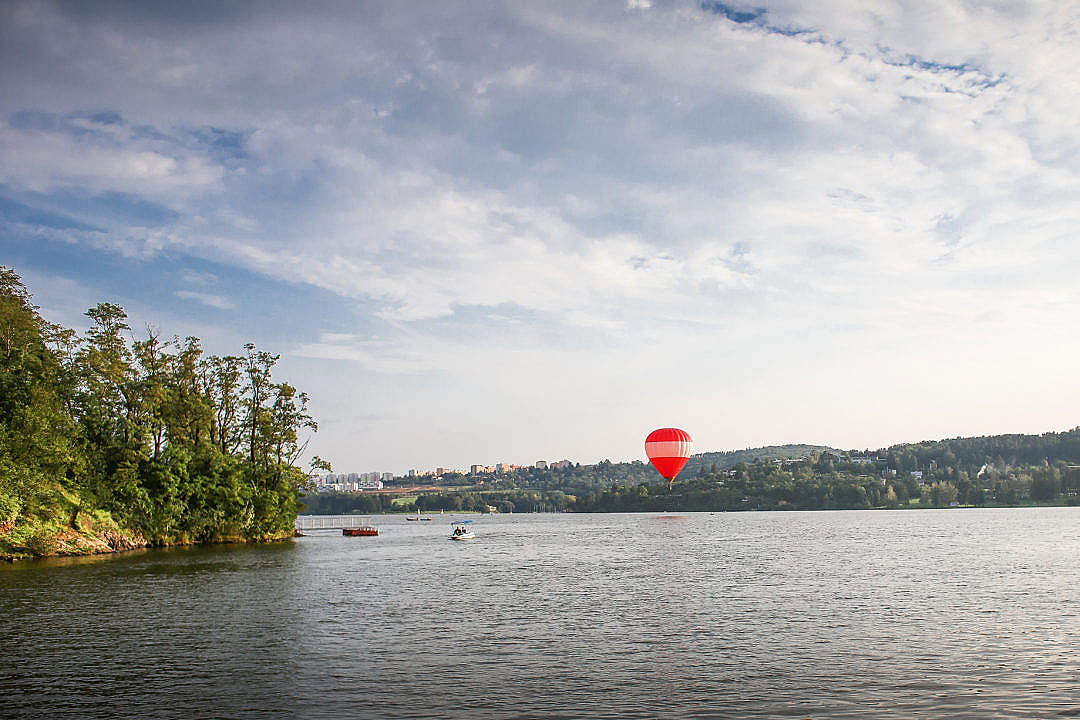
{"x":939,"y":614}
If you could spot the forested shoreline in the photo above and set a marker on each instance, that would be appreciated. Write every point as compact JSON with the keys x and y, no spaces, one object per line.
{"x":110,"y":441}
{"x":990,"y":471}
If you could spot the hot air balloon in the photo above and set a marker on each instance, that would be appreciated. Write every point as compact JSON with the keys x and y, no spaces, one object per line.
{"x":668,"y":449}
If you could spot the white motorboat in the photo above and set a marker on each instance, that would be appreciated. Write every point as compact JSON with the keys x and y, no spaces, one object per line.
{"x":462,"y":531}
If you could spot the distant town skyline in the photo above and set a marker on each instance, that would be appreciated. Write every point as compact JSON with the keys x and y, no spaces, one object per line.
{"x":472,"y":469}
{"x":539,"y":230}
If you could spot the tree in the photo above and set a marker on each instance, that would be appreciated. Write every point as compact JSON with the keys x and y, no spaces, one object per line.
{"x":257,"y":366}
{"x":891,"y":500}
{"x":222,"y":391}
{"x":1045,"y":484}
{"x":35,"y":427}
{"x":942,"y":493}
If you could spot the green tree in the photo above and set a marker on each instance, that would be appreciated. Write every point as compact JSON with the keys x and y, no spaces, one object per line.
{"x":35,"y":427}
{"x":942,"y":493}
{"x":1045,"y":484}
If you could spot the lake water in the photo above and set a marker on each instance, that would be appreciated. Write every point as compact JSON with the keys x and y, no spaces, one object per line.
{"x":934,"y":614}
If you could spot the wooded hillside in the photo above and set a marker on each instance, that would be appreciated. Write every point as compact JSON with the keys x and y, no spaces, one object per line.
{"x":108,"y":438}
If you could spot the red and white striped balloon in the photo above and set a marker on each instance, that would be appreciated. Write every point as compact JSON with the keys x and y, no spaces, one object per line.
{"x":668,"y":450}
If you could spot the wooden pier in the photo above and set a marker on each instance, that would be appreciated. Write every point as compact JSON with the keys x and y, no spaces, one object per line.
{"x":330,"y":522}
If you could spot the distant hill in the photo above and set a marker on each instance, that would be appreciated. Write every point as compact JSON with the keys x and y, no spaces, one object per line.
{"x":731,"y":458}
{"x":1000,"y":451}
{"x":964,"y":453}
{"x":993,"y":471}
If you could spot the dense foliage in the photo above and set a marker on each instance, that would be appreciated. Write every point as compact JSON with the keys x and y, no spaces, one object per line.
{"x":731,"y":458}
{"x":150,"y":434}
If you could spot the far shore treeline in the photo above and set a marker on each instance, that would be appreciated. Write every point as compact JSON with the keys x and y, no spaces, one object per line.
{"x":994,"y":471}
{"x":113,"y":439}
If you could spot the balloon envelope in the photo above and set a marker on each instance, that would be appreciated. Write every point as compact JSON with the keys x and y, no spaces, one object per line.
{"x":668,"y":450}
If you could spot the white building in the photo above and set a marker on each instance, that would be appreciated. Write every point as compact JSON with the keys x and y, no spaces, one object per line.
{"x":351,"y":482}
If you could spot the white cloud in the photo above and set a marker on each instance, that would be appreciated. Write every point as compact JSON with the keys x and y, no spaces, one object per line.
{"x":192,"y":277}
{"x":373,"y":355}
{"x":215,"y":301}
{"x":44,"y":161}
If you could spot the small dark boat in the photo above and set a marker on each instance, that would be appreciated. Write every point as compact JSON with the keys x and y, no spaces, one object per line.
{"x":362,"y":531}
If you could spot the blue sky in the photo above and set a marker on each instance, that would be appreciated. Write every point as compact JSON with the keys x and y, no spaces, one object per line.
{"x":483,"y":232}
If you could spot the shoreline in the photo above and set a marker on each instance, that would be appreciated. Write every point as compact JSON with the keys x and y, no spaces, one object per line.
{"x":737,"y":510}
{"x":74,"y":544}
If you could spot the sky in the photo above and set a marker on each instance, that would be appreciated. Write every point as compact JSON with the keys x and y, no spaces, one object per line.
{"x":482,"y":232}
